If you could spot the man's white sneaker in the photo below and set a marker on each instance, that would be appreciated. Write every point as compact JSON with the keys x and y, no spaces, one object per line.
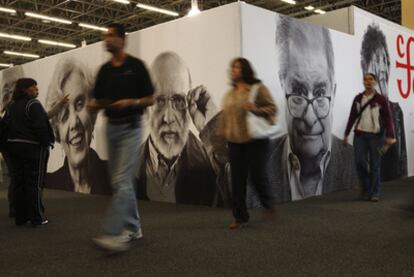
{"x":112,"y":243}
{"x":129,"y":235}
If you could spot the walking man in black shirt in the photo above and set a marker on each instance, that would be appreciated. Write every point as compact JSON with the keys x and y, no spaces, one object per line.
{"x":123,"y":88}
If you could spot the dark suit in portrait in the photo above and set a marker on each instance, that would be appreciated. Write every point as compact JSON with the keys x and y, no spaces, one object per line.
{"x":394,"y":162}
{"x":97,"y":178}
{"x":194,"y":180}
{"x":339,"y":174}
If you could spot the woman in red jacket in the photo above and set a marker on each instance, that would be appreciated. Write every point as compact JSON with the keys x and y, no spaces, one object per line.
{"x":370,"y":113}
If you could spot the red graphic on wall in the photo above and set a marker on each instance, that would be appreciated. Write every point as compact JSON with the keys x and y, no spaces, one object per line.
{"x":404,"y":52}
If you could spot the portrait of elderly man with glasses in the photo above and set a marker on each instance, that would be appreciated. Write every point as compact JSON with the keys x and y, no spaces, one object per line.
{"x":178,"y":165}
{"x":309,"y":160}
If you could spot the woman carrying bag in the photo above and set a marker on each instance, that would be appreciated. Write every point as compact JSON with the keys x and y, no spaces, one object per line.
{"x":247,"y":122}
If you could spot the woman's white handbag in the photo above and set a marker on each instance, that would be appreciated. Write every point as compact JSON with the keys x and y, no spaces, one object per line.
{"x":257,"y":126}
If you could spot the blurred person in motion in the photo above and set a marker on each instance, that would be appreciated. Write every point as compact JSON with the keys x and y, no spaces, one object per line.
{"x":246,"y":155}
{"x":124,"y":88}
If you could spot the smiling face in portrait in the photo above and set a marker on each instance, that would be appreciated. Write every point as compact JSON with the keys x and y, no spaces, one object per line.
{"x":309,"y":94}
{"x":169,"y":117}
{"x":75,"y":123}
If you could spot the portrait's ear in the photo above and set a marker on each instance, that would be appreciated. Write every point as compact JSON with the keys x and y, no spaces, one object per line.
{"x":333,"y":95}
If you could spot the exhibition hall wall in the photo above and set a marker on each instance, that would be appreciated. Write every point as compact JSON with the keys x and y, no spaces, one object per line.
{"x":182,"y":158}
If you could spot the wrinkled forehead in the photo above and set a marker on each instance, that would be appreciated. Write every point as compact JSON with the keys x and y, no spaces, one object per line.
{"x":73,"y":80}
{"x":170,"y":75}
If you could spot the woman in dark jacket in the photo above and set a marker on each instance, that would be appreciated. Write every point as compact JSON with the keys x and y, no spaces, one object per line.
{"x":30,"y":136}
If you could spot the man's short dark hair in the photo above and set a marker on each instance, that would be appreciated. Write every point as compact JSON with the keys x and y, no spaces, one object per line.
{"x":119,"y":29}
{"x":372,"y":75}
{"x":373,"y":39}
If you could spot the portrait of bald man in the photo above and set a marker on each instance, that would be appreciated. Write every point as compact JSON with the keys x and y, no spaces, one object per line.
{"x":177,"y":165}
{"x":375,"y":59}
{"x":309,"y":160}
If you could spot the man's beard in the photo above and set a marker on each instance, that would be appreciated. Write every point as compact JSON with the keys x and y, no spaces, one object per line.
{"x":170,"y":149}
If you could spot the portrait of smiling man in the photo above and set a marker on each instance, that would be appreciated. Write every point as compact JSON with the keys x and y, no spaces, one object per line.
{"x":83,"y":171}
{"x":177,"y":165}
{"x":308,"y":161}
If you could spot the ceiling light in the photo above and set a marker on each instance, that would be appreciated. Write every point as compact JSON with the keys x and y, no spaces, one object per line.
{"x":319,"y":11}
{"x":48,"y":18}
{"x":292,"y":2}
{"x":122,"y":1}
{"x":6,"y":10}
{"x":55,"y":43}
{"x":6,"y":64}
{"x":155,"y":9}
{"x":309,"y":8}
{"x":16,"y":37}
{"x":194,"y":8}
{"x":93,"y":27}
{"x":21,"y":54}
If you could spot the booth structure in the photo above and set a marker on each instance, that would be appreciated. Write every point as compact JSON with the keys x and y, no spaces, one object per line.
{"x":327,"y":53}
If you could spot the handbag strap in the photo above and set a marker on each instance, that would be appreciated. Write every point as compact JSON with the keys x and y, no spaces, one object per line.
{"x":359,"y":115}
{"x":254,"y":89}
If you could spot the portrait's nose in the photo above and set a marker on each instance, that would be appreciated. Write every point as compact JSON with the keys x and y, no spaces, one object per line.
{"x":74,"y":120}
{"x":310,"y":117}
{"x":168,"y":116}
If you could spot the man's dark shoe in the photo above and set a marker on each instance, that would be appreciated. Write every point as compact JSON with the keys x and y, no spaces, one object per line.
{"x":38,"y":224}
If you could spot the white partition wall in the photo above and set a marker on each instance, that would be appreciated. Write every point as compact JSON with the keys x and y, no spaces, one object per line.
{"x":189,"y":59}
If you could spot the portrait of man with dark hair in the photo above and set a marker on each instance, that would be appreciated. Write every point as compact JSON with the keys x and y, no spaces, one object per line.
{"x":308,"y":160}
{"x":375,"y":59}
{"x":83,"y":171}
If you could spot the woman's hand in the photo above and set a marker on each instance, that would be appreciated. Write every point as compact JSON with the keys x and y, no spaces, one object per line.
{"x":250,"y":107}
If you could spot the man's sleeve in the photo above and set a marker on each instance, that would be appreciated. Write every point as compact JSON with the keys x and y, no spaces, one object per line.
{"x":145,"y":86}
{"x":352,"y":117}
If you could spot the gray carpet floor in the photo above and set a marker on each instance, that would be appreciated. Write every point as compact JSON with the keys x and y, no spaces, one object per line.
{"x":333,"y":235}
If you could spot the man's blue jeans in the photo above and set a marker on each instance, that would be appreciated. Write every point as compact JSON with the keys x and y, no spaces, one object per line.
{"x":368,"y":162}
{"x":123,"y":141}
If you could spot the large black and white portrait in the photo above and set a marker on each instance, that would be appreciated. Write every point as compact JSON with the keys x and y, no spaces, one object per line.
{"x":177,"y":165}
{"x":375,"y":59}
{"x":9,"y":78}
{"x":307,"y":160}
{"x":83,"y":171}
